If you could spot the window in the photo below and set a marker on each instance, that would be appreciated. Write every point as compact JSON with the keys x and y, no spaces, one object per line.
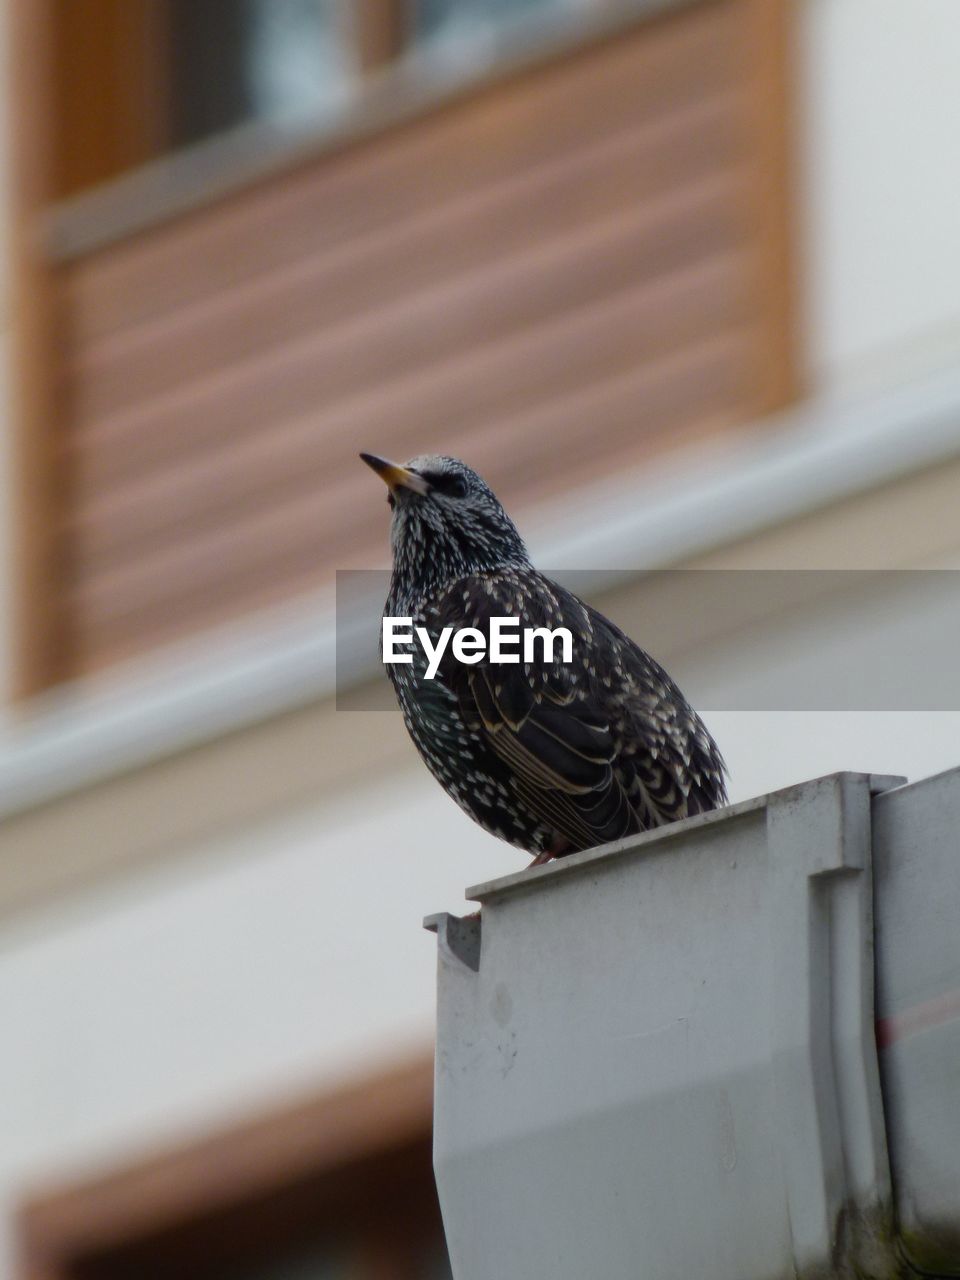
{"x":284,"y":61}
{"x":427,"y":1262}
{"x":337,"y":1188}
{"x":469,"y":31}
{"x":136,"y":80}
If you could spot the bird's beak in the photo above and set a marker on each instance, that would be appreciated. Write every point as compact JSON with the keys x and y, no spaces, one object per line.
{"x":394,"y":476}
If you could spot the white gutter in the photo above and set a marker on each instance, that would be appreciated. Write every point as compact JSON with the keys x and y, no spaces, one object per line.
{"x":94,"y":729}
{"x":808,"y":458}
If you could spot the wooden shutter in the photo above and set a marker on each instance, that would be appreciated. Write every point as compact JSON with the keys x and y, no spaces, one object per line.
{"x":555,"y":277}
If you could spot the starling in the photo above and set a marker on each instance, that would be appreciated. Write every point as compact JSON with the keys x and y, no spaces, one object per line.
{"x":552,"y":757}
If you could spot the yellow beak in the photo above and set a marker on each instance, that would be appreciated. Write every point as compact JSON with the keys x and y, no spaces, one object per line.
{"x":394,"y":476}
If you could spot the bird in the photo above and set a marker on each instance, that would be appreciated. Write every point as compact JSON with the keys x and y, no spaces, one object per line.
{"x":553,"y":757}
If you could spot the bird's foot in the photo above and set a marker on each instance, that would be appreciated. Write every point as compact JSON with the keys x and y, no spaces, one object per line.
{"x":556,"y":849}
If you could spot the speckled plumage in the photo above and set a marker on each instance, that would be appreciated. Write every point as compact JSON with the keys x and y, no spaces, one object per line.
{"x":550,"y":757}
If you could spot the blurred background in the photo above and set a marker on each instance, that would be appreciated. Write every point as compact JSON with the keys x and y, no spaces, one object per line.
{"x":681,"y":279}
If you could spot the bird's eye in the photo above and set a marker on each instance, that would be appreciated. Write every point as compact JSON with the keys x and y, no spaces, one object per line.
{"x":391,"y":501}
{"x":450,"y":485}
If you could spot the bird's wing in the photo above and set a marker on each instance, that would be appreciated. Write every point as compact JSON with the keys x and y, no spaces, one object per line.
{"x":677,"y":769}
{"x":601,"y":747}
{"x":546,"y":721}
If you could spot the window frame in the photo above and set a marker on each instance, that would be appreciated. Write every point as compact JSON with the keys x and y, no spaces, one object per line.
{"x":252,"y":1187}
{"x":103,"y":135}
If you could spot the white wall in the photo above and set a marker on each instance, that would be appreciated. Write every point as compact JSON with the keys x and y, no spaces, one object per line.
{"x":881,"y":187}
{"x":177,"y":996}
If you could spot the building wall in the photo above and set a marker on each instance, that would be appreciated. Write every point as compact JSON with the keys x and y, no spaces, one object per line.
{"x":235,"y":958}
{"x":881,"y":202}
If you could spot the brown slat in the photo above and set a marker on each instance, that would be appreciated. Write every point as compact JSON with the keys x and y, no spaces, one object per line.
{"x":472,"y":232}
{"x":617,"y":332}
{"x":36,"y":495}
{"x":505,"y":130}
{"x":424,"y":329}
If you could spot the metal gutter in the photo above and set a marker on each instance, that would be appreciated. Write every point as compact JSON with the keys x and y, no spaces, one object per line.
{"x":672,"y":1041}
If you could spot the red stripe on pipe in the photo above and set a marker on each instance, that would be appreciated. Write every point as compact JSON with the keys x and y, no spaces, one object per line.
{"x":919,"y":1017}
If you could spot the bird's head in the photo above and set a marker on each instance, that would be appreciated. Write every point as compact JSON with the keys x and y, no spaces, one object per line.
{"x":447,"y":522}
